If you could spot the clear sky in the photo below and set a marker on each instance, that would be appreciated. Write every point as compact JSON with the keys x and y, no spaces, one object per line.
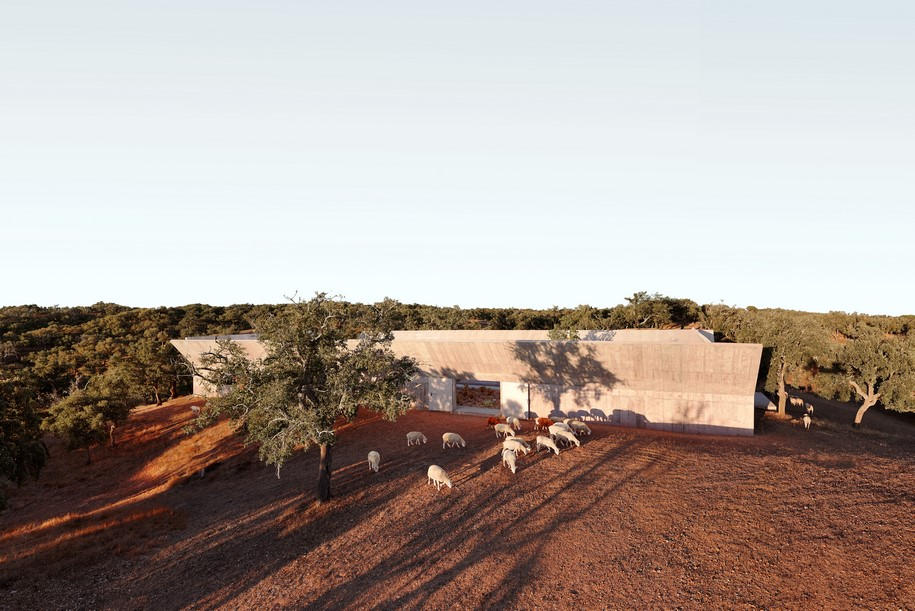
{"x":473,"y":153}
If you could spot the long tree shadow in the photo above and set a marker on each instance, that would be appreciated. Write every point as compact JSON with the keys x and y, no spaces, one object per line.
{"x":451,"y":532}
{"x":557,"y":367}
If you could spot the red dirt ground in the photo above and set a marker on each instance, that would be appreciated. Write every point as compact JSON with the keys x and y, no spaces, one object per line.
{"x":633,"y":518}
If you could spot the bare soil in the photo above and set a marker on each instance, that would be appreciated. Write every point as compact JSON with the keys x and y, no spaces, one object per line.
{"x":633,"y":518}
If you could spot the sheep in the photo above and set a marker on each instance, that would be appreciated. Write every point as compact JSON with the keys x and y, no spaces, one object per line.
{"x":542,"y":424}
{"x":546,"y":442}
{"x":452,"y":440}
{"x":509,"y":459}
{"x":807,"y":420}
{"x":796,"y":401}
{"x":504,"y":429}
{"x":518,"y":445}
{"x":515,"y":423}
{"x":580,"y":428}
{"x":809,"y":407}
{"x":491,"y":422}
{"x":560,"y":425}
{"x":438,"y":477}
{"x":415,"y":438}
{"x":565,"y":436}
{"x":374,"y":461}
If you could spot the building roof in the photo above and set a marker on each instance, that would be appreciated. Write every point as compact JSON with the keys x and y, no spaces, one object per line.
{"x":618,"y":336}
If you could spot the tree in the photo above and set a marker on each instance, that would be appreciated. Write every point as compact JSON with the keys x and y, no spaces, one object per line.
{"x":22,"y":453}
{"x":653,"y":311}
{"x":795,"y":344}
{"x":91,"y":414}
{"x":879,"y":367}
{"x":310,"y":378}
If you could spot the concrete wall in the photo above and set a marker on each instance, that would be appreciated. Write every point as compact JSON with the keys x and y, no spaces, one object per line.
{"x":712,"y":413}
{"x":440,"y":394}
{"x":513,"y":399}
{"x":670,"y":381}
{"x":684,"y":387}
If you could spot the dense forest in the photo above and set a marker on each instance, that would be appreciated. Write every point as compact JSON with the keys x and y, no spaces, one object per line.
{"x":76,"y":372}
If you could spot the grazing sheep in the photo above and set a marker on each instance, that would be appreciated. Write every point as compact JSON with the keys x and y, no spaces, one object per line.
{"x":580,"y":428}
{"x":515,"y":423}
{"x":491,"y":422}
{"x":546,"y":442}
{"x":542,"y":424}
{"x":796,"y":401}
{"x":809,"y":407}
{"x":518,"y":445}
{"x":509,"y":459}
{"x":415,"y":438}
{"x":452,"y":440}
{"x":438,"y":477}
{"x":374,"y":461}
{"x":504,"y":429}
{"x":565,"y":436}
{"x":807,"y":420}
{"x":559,"y":426}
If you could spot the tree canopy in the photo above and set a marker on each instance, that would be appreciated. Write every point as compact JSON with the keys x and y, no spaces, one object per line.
{"x":22,"y":453}
{"x":310,"y":378}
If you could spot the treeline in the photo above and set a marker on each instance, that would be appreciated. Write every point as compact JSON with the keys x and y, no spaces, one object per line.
{"x":76,"y":372}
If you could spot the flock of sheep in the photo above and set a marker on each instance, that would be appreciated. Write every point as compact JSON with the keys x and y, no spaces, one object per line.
{"x":566,"y":432}
{"x":808,"y":413}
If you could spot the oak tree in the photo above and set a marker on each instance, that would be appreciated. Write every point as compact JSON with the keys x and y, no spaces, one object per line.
{"x":879,"y":367}
{"x":310,"y":379}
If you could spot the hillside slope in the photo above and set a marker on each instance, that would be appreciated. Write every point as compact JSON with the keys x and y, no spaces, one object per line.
{"x":632,"y":518}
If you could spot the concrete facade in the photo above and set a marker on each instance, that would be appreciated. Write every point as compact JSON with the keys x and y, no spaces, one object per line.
{"x":672,"y":380}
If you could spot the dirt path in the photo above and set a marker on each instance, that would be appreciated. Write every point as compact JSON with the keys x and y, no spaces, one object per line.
{"x":633,"y":518}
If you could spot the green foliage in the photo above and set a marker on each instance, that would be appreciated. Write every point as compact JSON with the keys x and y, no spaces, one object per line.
{"x":310,"y":378}
{"x":56,"y":348}
{"x":877,"y":366}
{"x":22,"y":453}
{"x":89,"y":415}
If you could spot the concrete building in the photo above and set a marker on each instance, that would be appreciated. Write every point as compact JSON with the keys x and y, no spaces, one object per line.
{"x":673,"y":380}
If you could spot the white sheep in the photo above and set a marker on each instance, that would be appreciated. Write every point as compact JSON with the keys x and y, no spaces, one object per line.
{"x":514,"y":422}
{"x":504,"y":429}
{"x":415,"y":438}
{"x":438,"y":477}
{"x":807,"y":421}
{"x":580,"y":428}
{"x":566,"y":436}
{"x":561,"y":425}
{"x":546,"y":442}
{"x":517,"y":445}
{"x":452,"y":440}
{"x":554,"y":429}
{"x":796,"y":401}
{"x":509,"y":459}
{"x":809,"y":407}
{"x":374,"y":461}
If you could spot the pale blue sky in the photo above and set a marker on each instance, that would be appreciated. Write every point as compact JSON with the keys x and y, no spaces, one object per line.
{"x":471,"y":153}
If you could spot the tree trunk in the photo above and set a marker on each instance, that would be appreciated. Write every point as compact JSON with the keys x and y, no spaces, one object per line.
{"x":111,"y":428}
{"x":782,"y":393}
{"x":172,"y":391}
{"x":88,"y":456}
{"x":868,"y":403}
{"x":870,"y":399}
{"x":158,"y":400}
{"x":324,"y":467}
